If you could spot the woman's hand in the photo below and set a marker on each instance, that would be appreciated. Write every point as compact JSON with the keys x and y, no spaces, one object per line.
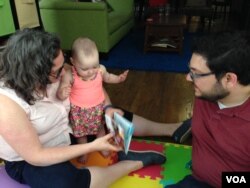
{"x":105,"y":143}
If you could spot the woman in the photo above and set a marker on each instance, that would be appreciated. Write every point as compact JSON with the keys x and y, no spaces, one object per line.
{"x":34,"y":133}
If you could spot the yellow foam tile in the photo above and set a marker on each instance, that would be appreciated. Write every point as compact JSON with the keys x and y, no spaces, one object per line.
{"x":135,"y":182}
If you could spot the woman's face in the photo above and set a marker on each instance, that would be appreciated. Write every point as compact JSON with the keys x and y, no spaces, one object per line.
{"x":58,"y":68}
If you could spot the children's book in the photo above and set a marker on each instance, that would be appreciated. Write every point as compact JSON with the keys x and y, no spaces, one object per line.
{"x":164,"y":43}
{"x":122,"y":128}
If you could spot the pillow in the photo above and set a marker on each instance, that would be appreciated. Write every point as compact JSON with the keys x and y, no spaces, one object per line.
{"x":196,"y":3}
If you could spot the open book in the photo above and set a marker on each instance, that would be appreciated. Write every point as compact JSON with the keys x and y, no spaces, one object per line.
{"x":164,"y":43}
{"x":122,"y":128}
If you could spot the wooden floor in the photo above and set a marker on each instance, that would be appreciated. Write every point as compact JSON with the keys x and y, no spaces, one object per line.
{"x":161,"y":96}
{"x":158,"y":96}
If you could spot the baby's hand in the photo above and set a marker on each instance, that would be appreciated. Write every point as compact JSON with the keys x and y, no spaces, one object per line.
{"x":123,"y":76}
{"x":66,"y":91}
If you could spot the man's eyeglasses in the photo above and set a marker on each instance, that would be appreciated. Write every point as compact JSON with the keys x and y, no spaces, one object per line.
{"x":194,"y":76}
{"x":57,"y":73}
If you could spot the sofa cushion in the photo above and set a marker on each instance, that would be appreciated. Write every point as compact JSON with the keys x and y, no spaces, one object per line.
{"x":69,"y":20}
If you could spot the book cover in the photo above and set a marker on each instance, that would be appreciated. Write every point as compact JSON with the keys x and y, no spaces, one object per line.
{"x":122,"y":128}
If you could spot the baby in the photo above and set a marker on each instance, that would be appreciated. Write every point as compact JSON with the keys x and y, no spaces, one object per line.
{"x":83,"y":85}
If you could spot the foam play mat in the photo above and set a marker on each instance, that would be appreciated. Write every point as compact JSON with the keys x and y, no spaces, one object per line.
{"x":155,"y":176}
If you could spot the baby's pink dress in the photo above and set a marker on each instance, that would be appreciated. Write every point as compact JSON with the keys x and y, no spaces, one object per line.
{"x":86,"y":108}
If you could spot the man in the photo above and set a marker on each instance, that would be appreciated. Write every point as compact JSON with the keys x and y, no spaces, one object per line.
{"x":220,"y":73}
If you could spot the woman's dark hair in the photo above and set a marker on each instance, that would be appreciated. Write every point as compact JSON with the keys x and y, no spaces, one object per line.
{"x":26,"y":62}
{"x":226,"y":52}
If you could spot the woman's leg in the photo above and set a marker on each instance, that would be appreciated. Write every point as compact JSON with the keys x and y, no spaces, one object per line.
{"x":84,"y":158}
{"x":63,"y":175}
{"x":178,"y":131}
{"x":102,"y":133}
{"x":105,"y":176}
{"x":145,"y":127}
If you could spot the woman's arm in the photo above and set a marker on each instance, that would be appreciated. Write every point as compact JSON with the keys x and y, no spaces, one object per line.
{"x":18,"y":132}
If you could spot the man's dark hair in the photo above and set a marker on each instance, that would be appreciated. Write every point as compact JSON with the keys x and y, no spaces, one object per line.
{"x":26,"y":62}
{"x":226,"y":52}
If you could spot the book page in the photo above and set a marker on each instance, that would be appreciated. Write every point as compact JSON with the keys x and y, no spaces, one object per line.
{"x":122,"y":129}
{"x":126,"y":130}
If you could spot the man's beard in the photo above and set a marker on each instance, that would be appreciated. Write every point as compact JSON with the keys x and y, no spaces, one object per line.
{"x":217,"y":93}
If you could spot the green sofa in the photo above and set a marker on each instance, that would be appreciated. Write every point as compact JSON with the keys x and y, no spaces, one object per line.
{"x":6,"y":20}
{"x":105,"y":23}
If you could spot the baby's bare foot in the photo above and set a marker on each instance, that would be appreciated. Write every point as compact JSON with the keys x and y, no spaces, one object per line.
{"x":105,"y":154}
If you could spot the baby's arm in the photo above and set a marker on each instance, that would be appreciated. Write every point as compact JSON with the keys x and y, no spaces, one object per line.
{"x":64,"y":88}
{"x":112,"y":78}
